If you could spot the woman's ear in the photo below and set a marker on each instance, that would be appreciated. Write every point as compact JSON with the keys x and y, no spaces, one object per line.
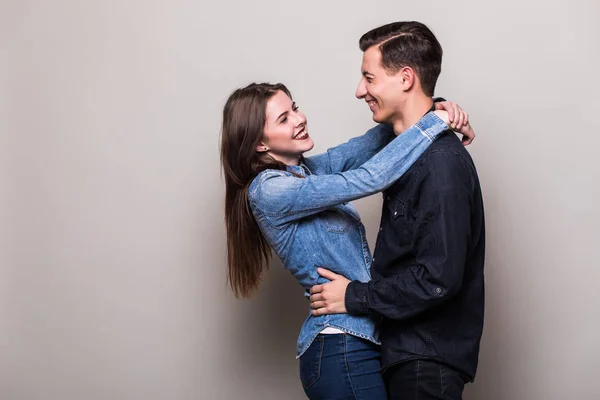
{"x":261,"y":148}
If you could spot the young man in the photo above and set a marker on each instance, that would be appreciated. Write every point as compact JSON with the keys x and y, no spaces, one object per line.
{"x":427,"y":269}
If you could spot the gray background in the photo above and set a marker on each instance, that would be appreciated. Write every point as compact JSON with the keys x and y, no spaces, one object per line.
{"x":112,"y":278}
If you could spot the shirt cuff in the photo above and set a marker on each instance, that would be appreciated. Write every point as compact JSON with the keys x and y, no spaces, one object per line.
{"x":355,"y":298}
{"x":431,"y":126}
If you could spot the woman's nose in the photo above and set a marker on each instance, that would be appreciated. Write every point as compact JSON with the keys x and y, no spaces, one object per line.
{"x":300,"y":119}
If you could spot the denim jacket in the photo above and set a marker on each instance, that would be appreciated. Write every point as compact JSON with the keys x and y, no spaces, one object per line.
{"x":309,"y":223}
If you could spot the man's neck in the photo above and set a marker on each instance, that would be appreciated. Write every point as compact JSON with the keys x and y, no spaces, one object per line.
{"x":413,"y":110}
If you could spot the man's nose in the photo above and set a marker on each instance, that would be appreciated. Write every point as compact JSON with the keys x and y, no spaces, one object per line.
{"x":361,"y":90}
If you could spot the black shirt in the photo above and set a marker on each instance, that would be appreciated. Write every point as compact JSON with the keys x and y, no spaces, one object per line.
{"x":428,"y":263}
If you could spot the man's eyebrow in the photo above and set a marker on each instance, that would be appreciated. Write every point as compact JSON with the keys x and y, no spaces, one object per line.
{"x":365,"y":73}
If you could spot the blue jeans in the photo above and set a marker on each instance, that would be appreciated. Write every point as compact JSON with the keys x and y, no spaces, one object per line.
{"x":340,"y":367}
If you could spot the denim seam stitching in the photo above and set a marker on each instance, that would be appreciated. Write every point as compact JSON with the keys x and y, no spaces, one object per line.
{"x":279,"y":214}
{"x":346,"y":330}
{"x":443,"y":383}
{"x":418,"y":372}
{"x":338,"y":231}
{"x":348,"y":368}
{"x":424,"y":132}
{"x":321,"y":345}
{"x":266,"y":217}
{"x":357,"y":334}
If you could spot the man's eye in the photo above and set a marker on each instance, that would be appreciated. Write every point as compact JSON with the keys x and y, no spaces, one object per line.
{"x":284,"y":120}
{"x":296,"y":108}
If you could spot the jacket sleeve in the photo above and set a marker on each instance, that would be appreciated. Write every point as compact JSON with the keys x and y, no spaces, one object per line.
{"x":442,"y":233}
{"x":353,"y":153}
{"x":282,"y":198}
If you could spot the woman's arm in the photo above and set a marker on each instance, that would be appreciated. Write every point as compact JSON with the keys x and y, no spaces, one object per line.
{"x":282,"y":198}
{"x":353,"y":153}
{"x":360,"y":149}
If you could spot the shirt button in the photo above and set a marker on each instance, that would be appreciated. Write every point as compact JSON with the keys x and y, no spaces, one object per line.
{"x":380,"y":229}
{"x":388,"y":197}
{"x":438,"y":290}
{"x":373,"y":259}
{"x":395,"y":213}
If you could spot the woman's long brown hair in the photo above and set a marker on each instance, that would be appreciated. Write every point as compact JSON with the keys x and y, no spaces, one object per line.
{"x":244,"y":117}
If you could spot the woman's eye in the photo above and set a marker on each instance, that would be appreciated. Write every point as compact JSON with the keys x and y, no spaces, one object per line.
{"x":284,"y":120}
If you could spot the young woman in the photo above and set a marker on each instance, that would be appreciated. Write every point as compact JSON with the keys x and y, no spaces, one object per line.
{"x":299,"y":207}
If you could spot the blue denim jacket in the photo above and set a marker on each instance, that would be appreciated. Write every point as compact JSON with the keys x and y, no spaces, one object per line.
{"x":309,"y":223}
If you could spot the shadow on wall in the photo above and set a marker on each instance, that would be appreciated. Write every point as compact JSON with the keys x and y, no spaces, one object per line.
{"x":267,"y":327}
{"x":277,"y":313}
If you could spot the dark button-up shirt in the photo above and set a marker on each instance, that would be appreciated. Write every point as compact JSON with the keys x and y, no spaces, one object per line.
{"x":428,"y":263}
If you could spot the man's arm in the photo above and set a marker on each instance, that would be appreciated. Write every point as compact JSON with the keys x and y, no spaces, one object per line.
{"x":441,"y":242}
{"x":441,"y":239}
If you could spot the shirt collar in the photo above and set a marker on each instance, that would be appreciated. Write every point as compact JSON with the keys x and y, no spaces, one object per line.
{"x":299,"y":169}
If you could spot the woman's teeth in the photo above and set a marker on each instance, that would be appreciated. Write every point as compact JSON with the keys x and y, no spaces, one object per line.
{"x":302,"y":135}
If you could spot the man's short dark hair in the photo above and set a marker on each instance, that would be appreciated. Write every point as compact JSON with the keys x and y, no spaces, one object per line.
{"x":409,"y":44}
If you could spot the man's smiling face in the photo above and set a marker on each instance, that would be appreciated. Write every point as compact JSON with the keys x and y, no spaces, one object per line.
{"x":382,"y":90}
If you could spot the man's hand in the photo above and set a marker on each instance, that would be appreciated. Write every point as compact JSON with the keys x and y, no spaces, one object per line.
{"x":328,"y":298}
{"x":459,"y":120}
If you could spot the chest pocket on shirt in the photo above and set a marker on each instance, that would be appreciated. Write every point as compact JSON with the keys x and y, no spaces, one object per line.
{"x":398,"y":219}
{"x":397,"y":207}
{"x":335,"y":220}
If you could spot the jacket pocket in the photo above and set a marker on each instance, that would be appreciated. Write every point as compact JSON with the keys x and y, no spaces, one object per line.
{"x":310,"y":363}
{"x":335,"y":220}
